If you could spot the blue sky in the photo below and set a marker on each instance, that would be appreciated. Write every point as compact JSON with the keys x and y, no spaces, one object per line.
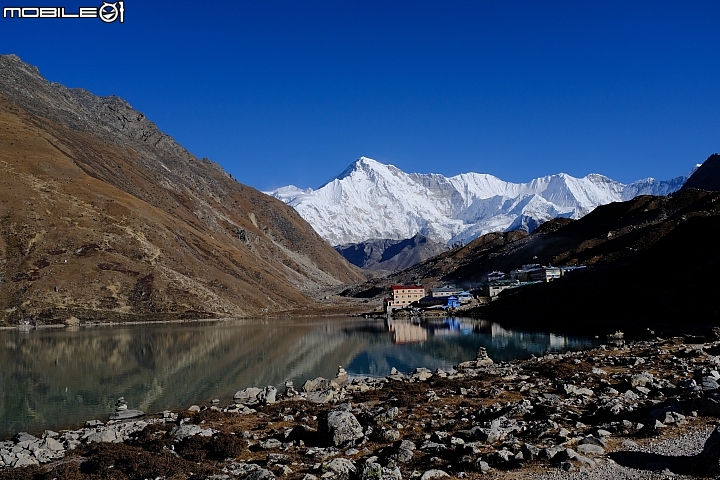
{"x":292,"y":92}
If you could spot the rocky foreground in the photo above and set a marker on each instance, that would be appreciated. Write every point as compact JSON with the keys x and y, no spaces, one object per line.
{"x":645,"y":410}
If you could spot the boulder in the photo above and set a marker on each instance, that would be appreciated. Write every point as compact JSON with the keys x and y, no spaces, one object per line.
{"x":24,"y":460}
{"x":387,"y":416}
{"x":247,"y":395}
{"x":51,"y":444}
{"x":319,"y":384}
{"x":250,"y":471}
{"x":593,"y":440}
{"x":25,"y":437}
{"x":44,"y":455}
{"x":530,"y":452}
{"x":324,"y":396}
{"x":502,"y":456}
{"x":551,"y":452}
{"x":402,"y":455}
{"x":390,"y":435}
{"x":590,"y":449}
{"x":341,"y":467}
{"x":267,"y":395}
{"x":421,"y":374}
{"x":673,"y":417}
{"x":641,"y":379}
{"x":709,"y":383}
{"x":188,"y":430}
{"x":499,"y":430}
{"x":432,"y":447}
{"x":570,"y":389}
{"x":374,"y":471}
{"x":430,"y":474}
{"x":482,"y":466}
{"x":277,"y":459}
{"x":339,"y":428}
{"x":104,"y":436}
{"x":270,"y":444}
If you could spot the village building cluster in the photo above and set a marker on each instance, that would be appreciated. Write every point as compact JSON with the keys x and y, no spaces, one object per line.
{"x":525,"y":275}
{"x":450,"y":297}
{"x":406,"y":296}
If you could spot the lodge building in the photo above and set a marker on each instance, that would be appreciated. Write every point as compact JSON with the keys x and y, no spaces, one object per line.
{"x":403,"y":296}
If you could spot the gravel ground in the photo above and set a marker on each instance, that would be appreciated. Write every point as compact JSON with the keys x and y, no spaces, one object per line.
{"x":654,"y":459}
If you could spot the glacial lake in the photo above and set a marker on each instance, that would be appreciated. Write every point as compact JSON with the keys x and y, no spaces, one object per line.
{"x":58,"y":378}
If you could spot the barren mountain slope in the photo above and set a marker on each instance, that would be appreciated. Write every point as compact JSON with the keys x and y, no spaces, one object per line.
{"x":707,"y":176}
{"x":102,"y":216}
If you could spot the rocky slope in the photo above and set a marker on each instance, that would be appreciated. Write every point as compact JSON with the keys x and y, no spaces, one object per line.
{"x":388,"y":255}
{"x":103,"y":216}
{"x":370,"y":200}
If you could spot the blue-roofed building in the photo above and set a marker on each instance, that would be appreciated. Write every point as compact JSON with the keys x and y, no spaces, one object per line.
{"x":453,"y":302}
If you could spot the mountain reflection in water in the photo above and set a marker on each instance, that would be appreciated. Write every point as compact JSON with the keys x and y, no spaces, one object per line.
{"x":60,"y":378}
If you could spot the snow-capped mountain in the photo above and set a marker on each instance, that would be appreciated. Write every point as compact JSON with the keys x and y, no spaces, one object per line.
{"x":371,"y":200}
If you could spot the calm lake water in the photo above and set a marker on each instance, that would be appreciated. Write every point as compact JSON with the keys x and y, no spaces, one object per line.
{"x":53,"y":379}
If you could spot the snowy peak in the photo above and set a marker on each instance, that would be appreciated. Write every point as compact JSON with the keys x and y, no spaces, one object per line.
{"x":650,"y":186}
{"x":367,"y":167}
{"x":371,"y":200}
{"x":290,"y":193}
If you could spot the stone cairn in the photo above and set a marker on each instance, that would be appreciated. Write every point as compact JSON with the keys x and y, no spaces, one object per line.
{"x":481,"y":360}
{"x":121,"y":405}
{"x":342,"y":377}
{"x":290,"y":389}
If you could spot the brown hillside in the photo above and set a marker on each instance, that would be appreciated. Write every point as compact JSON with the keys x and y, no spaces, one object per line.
{"x":102,"y":216}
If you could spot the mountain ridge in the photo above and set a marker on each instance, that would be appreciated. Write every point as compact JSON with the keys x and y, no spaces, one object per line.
{"x":370,"y":200}
{"x":103,"y":216}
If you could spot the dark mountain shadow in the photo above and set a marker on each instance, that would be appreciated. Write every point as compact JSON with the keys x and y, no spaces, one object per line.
{"x":707,"y":176}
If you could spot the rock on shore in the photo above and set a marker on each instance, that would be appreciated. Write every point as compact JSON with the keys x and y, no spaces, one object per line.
{"x":575,"y":412}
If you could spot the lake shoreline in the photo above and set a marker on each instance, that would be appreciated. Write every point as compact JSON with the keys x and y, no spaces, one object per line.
{"x":55,"y":375}
{"x":582,"y":411}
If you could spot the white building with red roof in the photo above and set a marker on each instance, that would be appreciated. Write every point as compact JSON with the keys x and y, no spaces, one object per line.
{"x":403,"y":296}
